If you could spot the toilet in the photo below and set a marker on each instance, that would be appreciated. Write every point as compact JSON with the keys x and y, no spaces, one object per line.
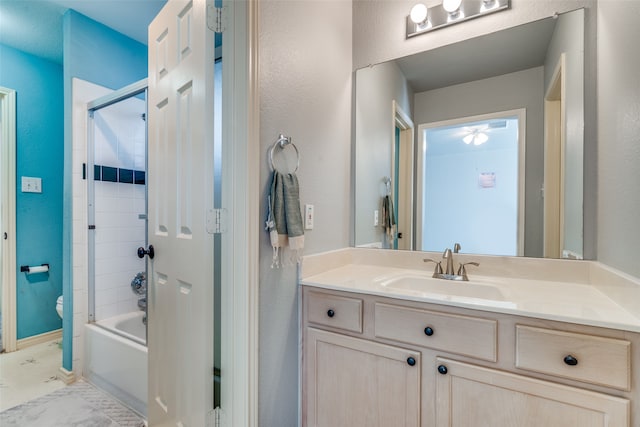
{"x":59,"y":306}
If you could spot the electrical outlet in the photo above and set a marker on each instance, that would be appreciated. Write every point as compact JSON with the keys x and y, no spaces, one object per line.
{"x":308,"y":217}
{"x":376,"y":218}
{"x":31,"y":185}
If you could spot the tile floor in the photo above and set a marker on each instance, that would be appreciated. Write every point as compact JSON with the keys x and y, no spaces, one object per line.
{"x":31,"y":395}
{"x":77,"y":405}
{"x":29,"y":373}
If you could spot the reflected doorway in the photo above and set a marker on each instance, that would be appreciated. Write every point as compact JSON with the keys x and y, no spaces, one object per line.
{"x":471,"y":184}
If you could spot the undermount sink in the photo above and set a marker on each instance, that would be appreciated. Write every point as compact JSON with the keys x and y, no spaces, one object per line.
{"x":431,"y":285}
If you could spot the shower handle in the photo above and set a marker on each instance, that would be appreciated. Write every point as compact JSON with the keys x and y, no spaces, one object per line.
{"x":142,"y":252}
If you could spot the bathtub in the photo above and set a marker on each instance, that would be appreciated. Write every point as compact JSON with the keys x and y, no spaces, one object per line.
{"x":116,"y":359}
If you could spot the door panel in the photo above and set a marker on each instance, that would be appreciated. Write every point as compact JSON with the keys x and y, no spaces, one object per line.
{"x":181,"y":67}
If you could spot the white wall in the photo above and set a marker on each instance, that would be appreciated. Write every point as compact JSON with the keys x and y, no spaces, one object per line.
{"x":619,"y":135}
{"x":522,"y":89}
{"x":305,"y":92}
{"x":376,"y":89}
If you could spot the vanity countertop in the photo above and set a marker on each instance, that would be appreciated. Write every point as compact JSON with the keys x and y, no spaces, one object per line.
{"x":587,"y":293}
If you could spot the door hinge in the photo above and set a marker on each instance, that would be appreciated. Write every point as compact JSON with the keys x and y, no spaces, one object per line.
{"x":214,"y":19}
{"x":216,"y":221}
{"x":213,"y":417}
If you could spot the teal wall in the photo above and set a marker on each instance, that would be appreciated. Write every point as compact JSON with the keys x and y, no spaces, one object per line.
{"x":95,"y":53}
{"x":39,"y":86}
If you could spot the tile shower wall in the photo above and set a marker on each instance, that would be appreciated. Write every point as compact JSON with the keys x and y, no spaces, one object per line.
{"x":119,"y":202}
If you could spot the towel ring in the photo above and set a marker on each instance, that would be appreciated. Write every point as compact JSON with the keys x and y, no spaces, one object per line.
{"x":283,"y":141}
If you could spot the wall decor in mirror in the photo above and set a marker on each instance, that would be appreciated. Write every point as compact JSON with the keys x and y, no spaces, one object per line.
{"x":478,"y":142}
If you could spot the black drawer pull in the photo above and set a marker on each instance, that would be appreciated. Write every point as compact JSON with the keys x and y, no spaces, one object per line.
{"x":428,"y":331}
{"x":331,"y":313}
{"x":411,"y":361}
{"x":570,"y":360}
{"x":443,"y":369}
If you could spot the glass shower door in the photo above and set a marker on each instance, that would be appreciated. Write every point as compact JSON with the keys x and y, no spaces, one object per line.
{"x":117,"y":194}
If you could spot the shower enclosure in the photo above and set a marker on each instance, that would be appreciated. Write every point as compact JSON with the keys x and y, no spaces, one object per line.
{"x":116,"y":168}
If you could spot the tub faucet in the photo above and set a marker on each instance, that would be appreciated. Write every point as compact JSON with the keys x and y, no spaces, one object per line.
{"x":139,"y":283}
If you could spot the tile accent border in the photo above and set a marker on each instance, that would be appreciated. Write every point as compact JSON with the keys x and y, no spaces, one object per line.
{"x":111,"y":174}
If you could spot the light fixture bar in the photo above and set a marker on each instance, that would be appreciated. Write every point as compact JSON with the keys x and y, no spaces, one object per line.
{"x":440,"y":18}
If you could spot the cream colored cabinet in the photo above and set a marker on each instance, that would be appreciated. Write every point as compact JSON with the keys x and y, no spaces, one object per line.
{"x":469,"y":395}
{"x":352,"y":382}
{"x":369,"y":360}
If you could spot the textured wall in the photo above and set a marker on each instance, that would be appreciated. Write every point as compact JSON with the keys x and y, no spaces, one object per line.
{"x":305,"y":93}
{"x":619,"y":135}
{"x":38,"y":83}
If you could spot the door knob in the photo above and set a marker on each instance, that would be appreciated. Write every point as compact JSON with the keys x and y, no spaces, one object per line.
{"x":142,"y":252}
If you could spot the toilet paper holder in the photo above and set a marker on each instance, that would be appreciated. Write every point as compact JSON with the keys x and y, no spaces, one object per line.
{"x":43,"y":268}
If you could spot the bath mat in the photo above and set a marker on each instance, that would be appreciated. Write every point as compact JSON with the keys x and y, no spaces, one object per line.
{"x":78,"y":405}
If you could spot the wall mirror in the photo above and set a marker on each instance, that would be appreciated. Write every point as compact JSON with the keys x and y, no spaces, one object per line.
{"x":430,"y":129}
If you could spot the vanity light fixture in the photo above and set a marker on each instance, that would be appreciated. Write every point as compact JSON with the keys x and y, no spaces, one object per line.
{"x":423,"y":19}
{"x":452,"y":6}
{"x":419,"y":14}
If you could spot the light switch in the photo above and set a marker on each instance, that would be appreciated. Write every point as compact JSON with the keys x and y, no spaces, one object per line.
{"x":376,"y":218}
{"x":308,"y":217}
{"x":31,"y":185}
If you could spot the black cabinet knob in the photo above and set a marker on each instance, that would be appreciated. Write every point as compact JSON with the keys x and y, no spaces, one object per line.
{"x":331,"y":313}
{"x":428,"y":331}
{"x":411,"y":361}
{"x":570,"y":360}
{"x":142,"y":252}
{"x":443,"y":369}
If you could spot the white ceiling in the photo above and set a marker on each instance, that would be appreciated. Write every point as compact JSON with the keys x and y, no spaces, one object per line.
{"x":35,"y":26}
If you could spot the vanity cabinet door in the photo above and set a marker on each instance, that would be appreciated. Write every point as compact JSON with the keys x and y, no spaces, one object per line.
{"x":352,"y":382}
{"x":468,"y":395}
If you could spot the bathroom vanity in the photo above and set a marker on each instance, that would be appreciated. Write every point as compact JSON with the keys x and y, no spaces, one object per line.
{"x":384,"y":344}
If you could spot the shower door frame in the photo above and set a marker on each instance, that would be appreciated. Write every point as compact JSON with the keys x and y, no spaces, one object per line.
{"x":114,"y":97}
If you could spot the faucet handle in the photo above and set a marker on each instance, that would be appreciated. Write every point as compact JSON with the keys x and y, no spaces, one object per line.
{"x":438,"y":269}
{"x":462,"y":271}
{"x":456,"y":248}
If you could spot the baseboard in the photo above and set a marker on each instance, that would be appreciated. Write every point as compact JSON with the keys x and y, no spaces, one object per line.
{"x":39,"y":339}
{"x":65,"y":376}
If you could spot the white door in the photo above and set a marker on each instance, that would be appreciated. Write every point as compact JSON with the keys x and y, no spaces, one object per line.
{"x":180,"y":185}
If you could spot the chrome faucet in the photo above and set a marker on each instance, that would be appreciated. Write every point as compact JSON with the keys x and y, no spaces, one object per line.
{"x":449,"y":273}
{"x":449,"y":257}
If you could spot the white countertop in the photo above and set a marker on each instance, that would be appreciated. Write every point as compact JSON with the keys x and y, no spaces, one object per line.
{"x":582,"y":303}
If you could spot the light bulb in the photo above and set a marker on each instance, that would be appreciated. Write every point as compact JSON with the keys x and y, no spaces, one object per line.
{"x":419,"y":13}
{"x":451,"y":6}
{"x":480,"y":138}
{"x":467,"y":139}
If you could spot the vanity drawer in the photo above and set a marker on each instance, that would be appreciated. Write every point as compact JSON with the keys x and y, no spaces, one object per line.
{"x":335,"y":311}
{"x":467,"y":336}
{"x":588,"y":358}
